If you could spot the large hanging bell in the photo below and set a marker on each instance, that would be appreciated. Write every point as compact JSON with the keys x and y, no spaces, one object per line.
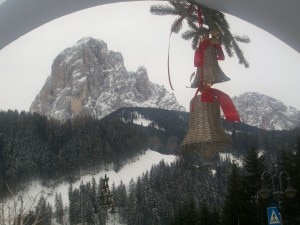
{"x":205,"y":134}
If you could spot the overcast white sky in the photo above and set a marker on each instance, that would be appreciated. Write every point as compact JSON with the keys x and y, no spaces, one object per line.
{"x":142,"y":38}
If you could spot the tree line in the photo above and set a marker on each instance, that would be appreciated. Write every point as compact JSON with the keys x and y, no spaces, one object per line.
{"x":179,"y":195}
{"x":33,"y":146}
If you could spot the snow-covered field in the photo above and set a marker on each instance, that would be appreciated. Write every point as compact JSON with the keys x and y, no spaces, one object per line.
{"x":130,"y":171}
{"x":230,"y":157}
{"x":145,"y":123}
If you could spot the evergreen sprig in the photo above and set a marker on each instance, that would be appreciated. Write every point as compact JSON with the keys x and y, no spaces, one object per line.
{"x":176,"y":9}
{"x":212,"y":20}
{"x":194,"y":33}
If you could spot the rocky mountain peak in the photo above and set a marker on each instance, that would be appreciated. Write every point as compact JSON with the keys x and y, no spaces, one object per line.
{"x":89,"y":79}
{"x":266,"y":112}
{"x":142,"y":81}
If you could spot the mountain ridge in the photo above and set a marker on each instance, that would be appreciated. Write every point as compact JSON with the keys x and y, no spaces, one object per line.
{"x":266,"y":112}
{"x":88,"y":79}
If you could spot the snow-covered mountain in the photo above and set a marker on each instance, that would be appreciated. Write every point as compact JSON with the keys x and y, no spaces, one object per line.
{"x":89,"y":79}
{"x":266,"y":112}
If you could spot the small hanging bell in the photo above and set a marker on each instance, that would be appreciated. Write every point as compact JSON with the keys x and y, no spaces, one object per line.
{"x":212,"y":73}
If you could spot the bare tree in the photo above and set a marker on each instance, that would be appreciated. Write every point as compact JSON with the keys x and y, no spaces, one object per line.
{"x":18,"y":209}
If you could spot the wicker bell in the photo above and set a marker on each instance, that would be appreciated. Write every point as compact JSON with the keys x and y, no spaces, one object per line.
{"x":212,"y":73}
{"x":205,"y":134}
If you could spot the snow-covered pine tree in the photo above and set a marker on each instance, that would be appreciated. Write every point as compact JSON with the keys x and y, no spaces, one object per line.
{"x":121,"y":200}
{"x":59,"y":208}
{"x":254,"y":164}
{"x":43,"y":212}
{"x":231,"y":208}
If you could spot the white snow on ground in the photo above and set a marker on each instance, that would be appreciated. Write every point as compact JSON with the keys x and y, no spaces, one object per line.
{"x":238,"y":160}
{"x":231,"y":158}
{"x":130,"y":171}
{"x":145,"y":122}
{"x":142,"y":121}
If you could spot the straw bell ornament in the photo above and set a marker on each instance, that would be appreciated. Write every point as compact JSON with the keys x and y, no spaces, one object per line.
{"x":206,"y":59}
{"x":205,"y":134}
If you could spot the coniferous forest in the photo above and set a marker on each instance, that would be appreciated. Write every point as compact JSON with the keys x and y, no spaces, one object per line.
{"x":179,"y":195}
{"x":34,"y":147}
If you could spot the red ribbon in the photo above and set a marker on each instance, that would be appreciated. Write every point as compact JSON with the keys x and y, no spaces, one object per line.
{"x":200,"y":20}
{"x":228,"y":108}
{"x":211,"y":94}
{"x":169,"y":74}
{"x":199,"y":53}
{"x":220,"y":53}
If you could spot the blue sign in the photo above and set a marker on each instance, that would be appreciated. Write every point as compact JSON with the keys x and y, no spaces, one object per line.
{"x":274,"y":217}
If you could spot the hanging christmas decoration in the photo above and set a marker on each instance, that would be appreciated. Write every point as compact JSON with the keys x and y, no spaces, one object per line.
{"x":209,"y":31}
{"x":205,"y":134}
{"x":203,"y":22}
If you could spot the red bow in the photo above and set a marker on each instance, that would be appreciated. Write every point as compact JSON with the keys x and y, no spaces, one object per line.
{"x":199,"y":53}
{"x":228,"y":108}
{"x":200,"y":20}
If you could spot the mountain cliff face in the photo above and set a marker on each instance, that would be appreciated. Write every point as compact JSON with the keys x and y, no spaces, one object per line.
{"x":266,"y":112}
{"x":88,"y":79}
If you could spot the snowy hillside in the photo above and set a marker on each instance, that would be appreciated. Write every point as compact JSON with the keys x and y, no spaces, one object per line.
{"x":130,"y":171}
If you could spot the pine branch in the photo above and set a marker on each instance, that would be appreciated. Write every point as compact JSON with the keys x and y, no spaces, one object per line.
{"x":227,"y":45}
{"x":177,"y":25}
{"x":162,"y":10}
{"x":240,"y":55}
{"x":243,"y":39}
{"x":238,"y":51}
{"x":212,"y":20}
{"x":189,"y":34}
{"x":195,"y":42}
{"x":194,"y":31}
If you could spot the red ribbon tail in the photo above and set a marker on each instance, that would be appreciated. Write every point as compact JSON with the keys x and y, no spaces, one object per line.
{"x":178,"y":22}
{"x":207,"y":96}
{"x":169,"y":74}
{"x":200,"y":20}
{"x":228,"y":108}
{"x":220,"y":53}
